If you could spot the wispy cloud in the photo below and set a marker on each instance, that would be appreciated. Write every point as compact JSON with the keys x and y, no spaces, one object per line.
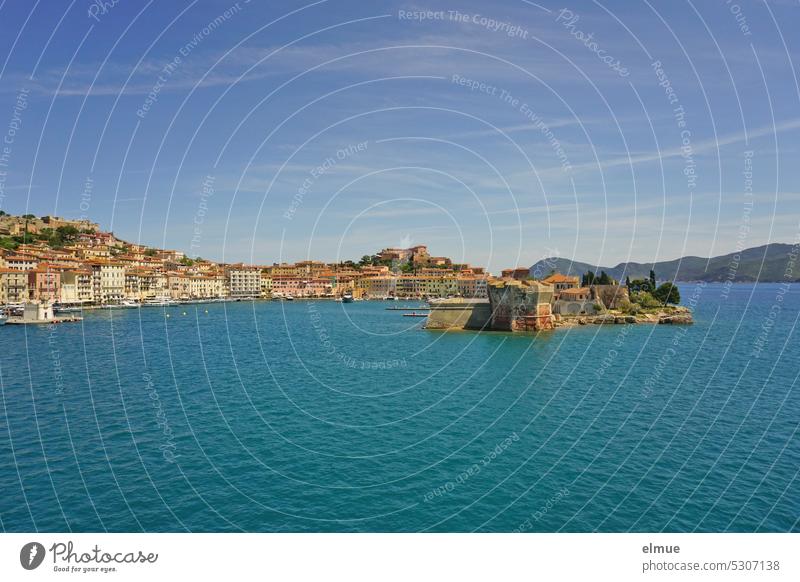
{"x":698,"y":147}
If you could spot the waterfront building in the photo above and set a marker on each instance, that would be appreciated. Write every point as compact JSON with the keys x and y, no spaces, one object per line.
{"x":472,"y":286}
{"x":141,"y":284}
{"x":205,"y":286}
{"x":77,"y":286}
{"x":283,"y":285}
{"x":380,"y":286}
{"x":13,"y":286}
{"x":133,"y":284}
{"x":44,"y":284}
{"x":266,"y":283}
{"x":244,"y":281}
{"x":178,"y":285}
{"x":108,"y":280}
{"x":438,"y":286}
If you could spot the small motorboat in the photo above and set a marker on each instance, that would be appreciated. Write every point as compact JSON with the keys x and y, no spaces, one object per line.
{"x":347,"y":298}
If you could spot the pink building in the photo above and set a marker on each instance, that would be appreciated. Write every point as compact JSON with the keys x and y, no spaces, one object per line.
{"x":44,"y":284}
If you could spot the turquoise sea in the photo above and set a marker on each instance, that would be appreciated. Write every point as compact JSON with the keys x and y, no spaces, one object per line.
{"x":319,"y":416}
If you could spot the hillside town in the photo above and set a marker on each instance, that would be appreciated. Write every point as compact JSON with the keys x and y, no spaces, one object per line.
{"x":73,"y":262}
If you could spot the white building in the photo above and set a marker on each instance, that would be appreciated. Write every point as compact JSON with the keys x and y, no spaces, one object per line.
{"x":108,"y":281}
{"x":244,"y":281}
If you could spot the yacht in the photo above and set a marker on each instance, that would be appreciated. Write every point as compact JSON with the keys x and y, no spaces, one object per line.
{"x":347,"y":297}
{"x":67,"y":308}
{"x":124,"y":304}
{"x":160,"y":301}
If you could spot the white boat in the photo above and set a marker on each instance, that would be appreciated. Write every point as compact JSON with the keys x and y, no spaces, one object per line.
{"x":3,"y":319}
{"x":347,"y":297}
{"x":289,"y":298}
{"x":124,"y":304}
{"x":15,"y":309}
{"x":159,"y":301}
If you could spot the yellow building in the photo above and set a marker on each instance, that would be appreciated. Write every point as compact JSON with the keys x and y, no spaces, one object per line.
{"x":13,"y":286}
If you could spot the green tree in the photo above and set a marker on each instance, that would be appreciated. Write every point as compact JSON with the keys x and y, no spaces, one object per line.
{"x":8,"y":243}
{"x":640,"y":285}
{"x":588,"y":279}
{"x":652,"y":279}
{"x":645,"y":300}
{"x":603,"y":279}
{"x":667,"y":293}
{"x":67,"y":232}
{"x":628,"y":283}
{"x":365,"y":260}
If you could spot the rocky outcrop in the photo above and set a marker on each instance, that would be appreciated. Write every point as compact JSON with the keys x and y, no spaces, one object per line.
{"x":669,"y":315}
{"x":603,"y":318}
{"x":676,"y":319}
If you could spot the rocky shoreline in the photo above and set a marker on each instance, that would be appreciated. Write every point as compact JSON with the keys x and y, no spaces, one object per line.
{"x":677,"y":315}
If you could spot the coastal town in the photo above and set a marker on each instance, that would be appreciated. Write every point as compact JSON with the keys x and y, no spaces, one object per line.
{"x":51,"y":267}
{"x":73,"y":262}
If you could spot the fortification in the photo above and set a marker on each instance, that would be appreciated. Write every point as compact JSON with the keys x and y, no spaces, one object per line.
{"x":520,"y":305}
{"x":459,"y":314}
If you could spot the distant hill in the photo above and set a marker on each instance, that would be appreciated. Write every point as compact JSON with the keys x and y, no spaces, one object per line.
{"x":765,"y":263}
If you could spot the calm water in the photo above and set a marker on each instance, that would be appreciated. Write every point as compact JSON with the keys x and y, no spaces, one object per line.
{"x":329,"y":417}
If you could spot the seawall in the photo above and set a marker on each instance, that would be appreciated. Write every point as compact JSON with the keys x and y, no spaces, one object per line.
{"x":459,"y":313}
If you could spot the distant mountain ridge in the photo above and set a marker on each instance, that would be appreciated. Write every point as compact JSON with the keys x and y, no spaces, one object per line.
{"x":766,"y":263}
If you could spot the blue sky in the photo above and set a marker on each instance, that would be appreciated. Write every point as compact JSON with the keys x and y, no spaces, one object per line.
{"x":497,"y":133}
